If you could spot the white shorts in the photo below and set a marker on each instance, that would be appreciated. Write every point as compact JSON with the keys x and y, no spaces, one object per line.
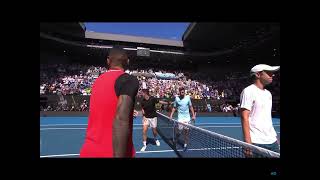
{"x":152,"y":122}
{"x":186,"y":121}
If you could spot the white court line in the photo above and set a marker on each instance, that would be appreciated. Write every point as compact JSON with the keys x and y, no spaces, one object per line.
{"x":210,"y":149}
{"x":226,"y":126}
{"x":160,"y":151}
{"x":75,"y":125}
{"x":42,"y":129}
{"x":218,"y":123}
{"x":142,"y":152}
{"x":60,"y":155}
{"x":219,"y":126}
{"x":229,"y":123}
{"x":64,"y":125}
{"x":138,"y":152}
{"x":196,"y":123}
{"x":133,"y":124}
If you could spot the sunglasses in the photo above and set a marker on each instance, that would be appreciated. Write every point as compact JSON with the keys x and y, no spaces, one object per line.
{"x":270,"y":73}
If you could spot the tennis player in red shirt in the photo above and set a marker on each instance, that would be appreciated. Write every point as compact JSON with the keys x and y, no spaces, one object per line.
{"x":109,"y":132}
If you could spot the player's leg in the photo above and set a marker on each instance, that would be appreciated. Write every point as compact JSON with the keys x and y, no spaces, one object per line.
{"x":145,"y":123}
{"x":186,"y":135}
{"x":177,"y":132}
{"x":153,"y":123}
{"x":186,"y":139}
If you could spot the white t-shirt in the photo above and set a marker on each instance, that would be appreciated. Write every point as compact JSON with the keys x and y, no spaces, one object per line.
{"x":259,"y":102}
{"x":144,"y":85}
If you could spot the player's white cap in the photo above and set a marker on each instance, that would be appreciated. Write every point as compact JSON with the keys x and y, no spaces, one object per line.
{"x":263,"y":67}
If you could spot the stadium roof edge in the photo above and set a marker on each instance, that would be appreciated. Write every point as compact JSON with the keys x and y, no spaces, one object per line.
{"x":134,"y":39}
{"x":188,"y":30}
{"x":83,"y":26}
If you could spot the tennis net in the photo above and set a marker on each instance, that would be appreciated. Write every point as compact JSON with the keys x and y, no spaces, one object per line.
{"x":204,"y":143}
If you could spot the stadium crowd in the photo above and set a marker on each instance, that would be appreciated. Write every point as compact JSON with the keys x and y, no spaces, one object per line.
{"x":77,"y":79}
{"x":68,"y":79}
{"x":63,"y":106}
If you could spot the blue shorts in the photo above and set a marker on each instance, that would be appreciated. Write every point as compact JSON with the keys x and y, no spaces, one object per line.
{"x":272,"y":147}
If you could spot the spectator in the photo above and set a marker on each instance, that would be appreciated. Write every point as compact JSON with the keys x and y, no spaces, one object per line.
{"x":84,"y":105}
{"x":73,"y":108}
{"x":209,"y":107}
{"x":77,"y":79}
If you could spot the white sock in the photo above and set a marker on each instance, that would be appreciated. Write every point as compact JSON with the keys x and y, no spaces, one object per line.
{"x":185,"y":145}
{"x":144,"y":143}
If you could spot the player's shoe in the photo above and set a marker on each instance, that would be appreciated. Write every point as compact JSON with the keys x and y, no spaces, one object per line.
{"x":143,"y":148}
{"x":157,"y":142}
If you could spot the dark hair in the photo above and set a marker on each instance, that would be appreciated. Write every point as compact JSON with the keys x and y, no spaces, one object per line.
{"x":253,"y":76}
{"x":181,"y":88}
{"x":146,"y":91}
{"x":117,"y":56}
{"x":117,"y":50}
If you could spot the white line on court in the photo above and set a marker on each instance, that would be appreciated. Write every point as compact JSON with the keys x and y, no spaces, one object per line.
{"x":220,"y":148}
{"x":142,"y":152}
{"x":60,"y":155}
{"x":219,"y":126}
{"x":225,"y":123}
{"x":63,"y":125}
{"x":203,"y":124}
{"x":160,"y":151}
{"x":138,"y":152}
{"x":225,"y":126}
{"x":133,"y":124}
{"x":42,"y":129}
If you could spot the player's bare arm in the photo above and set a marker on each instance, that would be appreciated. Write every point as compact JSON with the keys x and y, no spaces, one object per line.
{"x":121,"y":126}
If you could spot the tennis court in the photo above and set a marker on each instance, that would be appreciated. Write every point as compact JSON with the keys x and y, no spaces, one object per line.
{"x":64,"y":136}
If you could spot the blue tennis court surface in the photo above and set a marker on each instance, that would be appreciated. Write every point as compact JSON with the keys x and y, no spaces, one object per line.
{"x":64,"y":136}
